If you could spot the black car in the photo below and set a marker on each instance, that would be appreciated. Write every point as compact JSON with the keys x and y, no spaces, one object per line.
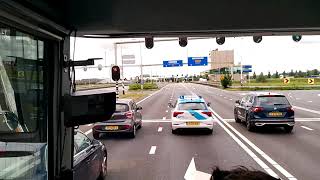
{"x":90,"y":158}
{"x":265,"y":109}
{"x":126,"y":119}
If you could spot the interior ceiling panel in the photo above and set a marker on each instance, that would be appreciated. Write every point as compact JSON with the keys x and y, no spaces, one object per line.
{"x":170,"y":17}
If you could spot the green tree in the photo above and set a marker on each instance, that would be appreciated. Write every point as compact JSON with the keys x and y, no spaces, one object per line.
{"x":291,"y":73}
{"x":315,"y":72}
{"x":296,"y":74}
{"x":284,"y":74}
{"x":261,"y":78}
{"x":269,"y":75}
{"x":254,"y":76}
{"x":226,"y":80}
{"x":277,"y":74}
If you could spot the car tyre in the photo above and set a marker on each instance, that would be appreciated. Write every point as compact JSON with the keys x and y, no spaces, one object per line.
{"x":133,"y":133}
{"x":140,"y":125}
{"x":103,"y":170}
{"x":174,"y":131}
{"x":96,"y":135}
{"x":210,"y":131}
{"x":236,"y":118}
{"x":288,"y":129}
{"x":250,"y":126}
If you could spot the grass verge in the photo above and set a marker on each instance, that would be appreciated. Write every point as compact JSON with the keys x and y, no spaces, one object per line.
{"x":136,"y":95}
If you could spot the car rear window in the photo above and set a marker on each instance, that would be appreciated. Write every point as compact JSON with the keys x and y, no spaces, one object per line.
{"x":272,"y":100}
{"x":192,"y":106}
{"x":122,"y":108}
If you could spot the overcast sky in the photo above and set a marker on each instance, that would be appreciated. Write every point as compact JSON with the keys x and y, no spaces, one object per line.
{"x":273,"y":53}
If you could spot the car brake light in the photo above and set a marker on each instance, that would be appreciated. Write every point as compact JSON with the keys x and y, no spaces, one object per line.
{"x":257,"y":109}
{"x":129,"y":115}
{"x":208,"y":113}
{"x":175,"y":114}
{"x":290,"y":109}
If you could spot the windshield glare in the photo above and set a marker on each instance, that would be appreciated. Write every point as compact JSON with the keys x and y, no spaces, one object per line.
{"x":192,"y":106}
{"x":272,"y":100}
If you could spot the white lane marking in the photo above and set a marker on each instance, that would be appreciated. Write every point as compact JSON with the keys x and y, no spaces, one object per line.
{"x":167,"y":111}
{"x":156,"y":121}
{"x":153,"y":150}
{"x":230,"y":99}
{"x":88,"y":132}
{"x":298,"y":98}
{"x":306,"y":109}
{"x":307,"y":119}
{"x":318,"y":94}
{"x":220,"y":94}
{"x":150,"y":95}
{"x":246,"y":149}
{"x":307,"y":128}
{"x":310,"y":101}
{"x":160,"y":129}
{"x":193,"y":174}
{"x":258,"y":150}
{"x":164,"y":118}
{"x":225,"y":97}
{"x":89,"y":124}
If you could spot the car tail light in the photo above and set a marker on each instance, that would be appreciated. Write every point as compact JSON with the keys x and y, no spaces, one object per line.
{"x":208,"y":113}
{"x":175,"y":114}
{"x":290,"y":109}
{"x":129,"y":115}
{"x":257,"y":109}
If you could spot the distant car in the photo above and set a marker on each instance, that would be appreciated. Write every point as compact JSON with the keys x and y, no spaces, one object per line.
{"x":126,"y":119}
{"x":191,"y":112}
{"x":265,"y":109}
{"x":90,"y":158}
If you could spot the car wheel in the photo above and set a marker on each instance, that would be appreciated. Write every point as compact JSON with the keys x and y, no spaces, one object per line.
{"x":140,"y":125}
{"x":174,"y":131}
{"x":103,"y":171}
{"x":210,"y":131}
{"x":95,"y":135}
{"x":133,"y":133}
{"x":288,"y":129}
{"x":250,"y":126}
{"x":236,"y":118}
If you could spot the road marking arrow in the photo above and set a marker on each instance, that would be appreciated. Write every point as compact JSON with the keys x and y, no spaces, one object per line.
{"x":193,"y":174}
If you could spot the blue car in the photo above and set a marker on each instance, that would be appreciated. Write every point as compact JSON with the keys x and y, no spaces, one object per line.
{"x":90,"y":158}
{"x":265,"y":109}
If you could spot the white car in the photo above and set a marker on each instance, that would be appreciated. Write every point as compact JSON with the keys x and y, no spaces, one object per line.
{"x":191,"y":112}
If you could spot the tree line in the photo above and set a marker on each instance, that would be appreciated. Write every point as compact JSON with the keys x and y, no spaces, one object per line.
{"x":292,"y":73}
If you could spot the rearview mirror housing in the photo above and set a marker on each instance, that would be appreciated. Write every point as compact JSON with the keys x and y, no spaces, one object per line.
{"x":85,"y":108}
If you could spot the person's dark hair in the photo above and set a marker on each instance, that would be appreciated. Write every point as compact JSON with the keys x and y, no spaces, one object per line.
{"x":240,"y":173}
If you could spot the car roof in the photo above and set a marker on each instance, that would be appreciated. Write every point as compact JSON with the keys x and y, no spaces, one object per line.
{"x":126,"y":101}
{"x":190,"y":98}
{"x":266,"y":94}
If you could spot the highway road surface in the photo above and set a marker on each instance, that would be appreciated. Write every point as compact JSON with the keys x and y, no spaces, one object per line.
{"x":157,"y":154}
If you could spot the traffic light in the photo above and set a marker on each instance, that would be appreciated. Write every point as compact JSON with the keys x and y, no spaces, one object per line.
{"x":115,"y":73}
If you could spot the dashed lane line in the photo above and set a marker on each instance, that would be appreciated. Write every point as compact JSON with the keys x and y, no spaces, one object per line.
{"x":153,"y":150}
{"x":160,"y":129}
{"x":164,"y":118}
{"x":306,"y":109}
{"x":88,"y":132}
{"x":307,"y":128}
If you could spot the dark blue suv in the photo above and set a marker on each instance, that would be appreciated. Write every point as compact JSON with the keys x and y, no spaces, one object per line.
{"x":264,"y":109}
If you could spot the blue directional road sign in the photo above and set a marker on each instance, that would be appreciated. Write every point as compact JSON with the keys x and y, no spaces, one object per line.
{"x":197,"y":61}
{"x":173,"y":63}
{"x":246,"y":68}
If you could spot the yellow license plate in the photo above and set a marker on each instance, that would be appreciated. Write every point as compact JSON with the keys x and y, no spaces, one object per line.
{"x":275,"y":114}
{"x":193,"y":123}
{"x":112,"y":128}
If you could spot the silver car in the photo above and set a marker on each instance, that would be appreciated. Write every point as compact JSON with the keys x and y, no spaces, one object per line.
{"x":126,"y":119}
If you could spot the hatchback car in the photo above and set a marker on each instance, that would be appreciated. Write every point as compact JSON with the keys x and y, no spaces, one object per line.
{"x":90,"y":158}
{"x":126,"y":119}
{"x":191,"y":112}
{"x":265,"y":109}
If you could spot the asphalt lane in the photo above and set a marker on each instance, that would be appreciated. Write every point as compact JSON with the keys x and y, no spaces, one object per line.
{"x":171,"y":154}
{"x":296,"y":152}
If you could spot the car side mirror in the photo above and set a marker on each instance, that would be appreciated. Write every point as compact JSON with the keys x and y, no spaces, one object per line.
{"x":237,"y":102}
{"x":170,"y":105}
{"x":209,"y":104}
{"x":139,"y":108}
